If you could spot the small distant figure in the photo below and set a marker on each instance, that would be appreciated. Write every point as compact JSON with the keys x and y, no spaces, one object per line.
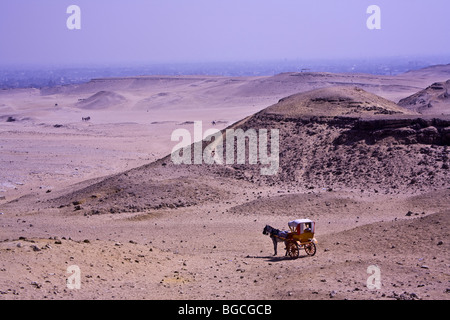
{"x":86,"y":119}
{"x":214,"y":122}
{"x":56,"y":104}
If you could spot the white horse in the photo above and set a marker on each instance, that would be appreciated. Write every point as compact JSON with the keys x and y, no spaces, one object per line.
{"x":276,"y":236}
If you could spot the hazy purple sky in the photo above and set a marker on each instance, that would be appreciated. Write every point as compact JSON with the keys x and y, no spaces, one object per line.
{"x":35,"y":31}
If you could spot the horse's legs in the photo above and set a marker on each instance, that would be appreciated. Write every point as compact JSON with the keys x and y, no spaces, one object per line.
{"x":274,"y":246}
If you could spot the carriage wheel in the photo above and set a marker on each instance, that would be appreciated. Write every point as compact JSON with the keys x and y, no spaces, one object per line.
{"x":310,"y":249}
{"x":292,"y":249}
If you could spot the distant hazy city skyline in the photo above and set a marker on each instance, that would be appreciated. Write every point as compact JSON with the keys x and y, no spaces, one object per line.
{"x":119,"y":31}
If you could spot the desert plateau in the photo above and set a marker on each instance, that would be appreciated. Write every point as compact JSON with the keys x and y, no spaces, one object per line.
{"x":87,"y":180}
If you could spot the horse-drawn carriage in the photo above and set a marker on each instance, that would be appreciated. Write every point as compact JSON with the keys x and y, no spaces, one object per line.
{"x":301,"y":235}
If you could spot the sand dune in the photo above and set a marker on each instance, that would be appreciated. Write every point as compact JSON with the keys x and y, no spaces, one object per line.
{"x":436,"y":73}
{"x":102,"y":100}
{"x":335,"y":101}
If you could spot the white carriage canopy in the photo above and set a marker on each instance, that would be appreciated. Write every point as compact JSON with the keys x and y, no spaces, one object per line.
{"x":301,"y":225}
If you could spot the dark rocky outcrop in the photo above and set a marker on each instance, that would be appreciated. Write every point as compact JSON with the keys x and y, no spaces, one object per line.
{"x":433,"y":100}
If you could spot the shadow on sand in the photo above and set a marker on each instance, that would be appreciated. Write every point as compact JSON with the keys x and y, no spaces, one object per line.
{"x":275,"y":258}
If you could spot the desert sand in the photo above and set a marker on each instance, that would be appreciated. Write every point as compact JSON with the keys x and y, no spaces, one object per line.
{"x":359,"y":155}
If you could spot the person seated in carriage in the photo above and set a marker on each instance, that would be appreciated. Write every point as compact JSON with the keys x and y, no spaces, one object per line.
{"x":308,"y":227}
